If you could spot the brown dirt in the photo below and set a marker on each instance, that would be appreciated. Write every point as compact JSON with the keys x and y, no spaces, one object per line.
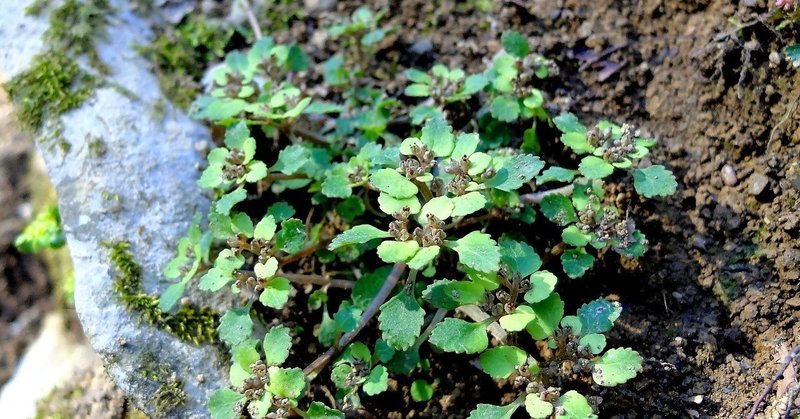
{"x":717,"y":295}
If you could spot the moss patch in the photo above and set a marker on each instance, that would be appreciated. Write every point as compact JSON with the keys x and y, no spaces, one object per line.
{"x":52,"y":86}
{"x":189,"y":323}
{"x":180,"y":55}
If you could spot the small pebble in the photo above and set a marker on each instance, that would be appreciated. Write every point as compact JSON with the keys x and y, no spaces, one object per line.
{"x":698,"y":399}
{"x":758,"y":183}
{"x":729,"y":175}
{"x":421,"y":46}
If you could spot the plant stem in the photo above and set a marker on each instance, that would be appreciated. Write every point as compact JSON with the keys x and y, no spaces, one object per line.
{"x":309,"y":135}
{"x":536,"y":197}
{"x":305,"y":252}
{"x":251,"y":17}
{"x":314,"y":368}
{"x":318,"y":280}
{"x":787,"y":360}
{"x":426,"y":191}
{"x":436,"y":319}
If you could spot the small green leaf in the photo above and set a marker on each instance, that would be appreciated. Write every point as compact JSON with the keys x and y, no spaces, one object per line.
{"x":520,"y":257}
{"x":594,"y":341}
{"x":267,"y":269}
{"x":222,"y":402}
{"x":383,"y":351}
{"x":502,"y":361}
{"x":793,"y":54}
{"x":505,"y":108}
{"x":555,"y":174}
{"x":515,"y":44}
{"x":558,"y":209}
{"x":243,"y":357}
{"x":368,"y":286}
{"x":417,"y":76}
{"x":441,"y":207}
{"x":393,"y":183}
{"x":421,"y":391}
{"x":417,"y":90}
{"x":574,"y":236}
{"x":286,"y":382}
{"x":576,"y":262}
{"x":377,"y":381}
{"x":595,"y":168}
{"x":170,"y":296}
{"x":568,"y":122}
{"x":573,"y":323}
{"x":337,"y":183}
{"x":318,"y":410}
{"x":423,"y":257}
{"x":653,"y":181}
{"x":449,"y":294}
{"x":616,"y":366}
{"x":292,"y":158}
{"x":515,"y":172}
{"x":468,"y":203}
{"x":235,"y":326}
{"x":548,"y":315}
{"x":518,"y":319}
{"x":438,"y":136}
{"x":226,"y":202}
{"x":538,"y":408}
{"x":292,"y":237}
{"x":280,"y":211}
{"x":542,"y":285}
{"x":478,"y":163}
{"x":478,"y":251}
{"x":393,"y":251}
{"x":242,"y":223}
{"x":389,"y":204}
{"x":460,"y":336}
{"x":265,"y":229}
{"x":277,"y":343}
{"x":577,"y":142}
{"x":598,"y":316}
{"x":357,"y":235}
{"x":401,"y":321}
{"x":575,"y":406}
{"x":488,"y":411}
{"x":276,"y":293}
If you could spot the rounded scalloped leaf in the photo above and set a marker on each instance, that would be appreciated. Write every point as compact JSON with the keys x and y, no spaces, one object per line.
{"x":393,"y":251}
{"x":441,"y":207}
{"x":594,"y":341}
{"x":542,"y":285}
{"x":393,"y":183}
{"x":389,"y":204}
{"x":460,"y":336}
{"x":595,"y":168}
{"x":437,"y":134}
{"x":576,"y":262}
{"x":538,"y":408}
{"x":653,"y":181}
{"x":449,"y":295}
{"x":502,"y":361}
{"x":277,"y":343}
{"x":616,"y":366}
{"x":575,"y":406}
{"x":558,"y":209}
{"x":489,"y":411}
{"x":598,"y":316}
{"x":478,"y":251}
{"x":401,"y":320}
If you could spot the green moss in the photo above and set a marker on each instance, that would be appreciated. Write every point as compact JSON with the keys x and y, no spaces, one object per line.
{"x":189,"y":323}
{"x":75,"y":26}
{"x":180,"y":56}
{"x":52,"y":86}
{"x":170,"y":393}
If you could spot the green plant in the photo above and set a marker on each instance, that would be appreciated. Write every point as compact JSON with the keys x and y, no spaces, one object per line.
{"x":43,"y":232}
{"x":456,"y":211}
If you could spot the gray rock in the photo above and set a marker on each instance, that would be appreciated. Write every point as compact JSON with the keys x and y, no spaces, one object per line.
{"x":757,"y":183}
{"x":149,"y":165}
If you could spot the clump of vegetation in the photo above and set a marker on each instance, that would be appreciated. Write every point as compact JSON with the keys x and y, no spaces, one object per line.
{"x":43,"y":232}
{"x":432,"y":221}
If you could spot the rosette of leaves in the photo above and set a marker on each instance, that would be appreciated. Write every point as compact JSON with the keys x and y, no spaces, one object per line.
{"x":443,"y":86}
{"x":43,"y":232}
{"x":358,"y":368}
{"x":359,"y":37}
{"x":586,"y":221}
{"x":253,"y":85}
{"x":511,"y":77}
